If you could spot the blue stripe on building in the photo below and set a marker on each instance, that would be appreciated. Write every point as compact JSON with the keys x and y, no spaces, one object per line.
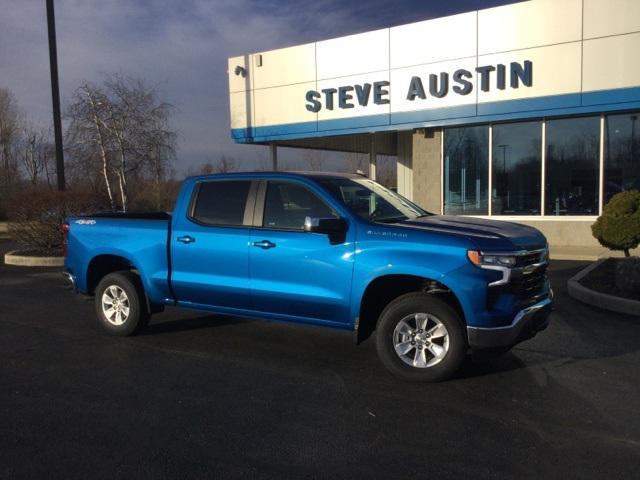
{"x":550,"y":106}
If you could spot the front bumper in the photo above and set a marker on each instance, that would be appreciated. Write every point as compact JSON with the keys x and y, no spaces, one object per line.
{"x":526,"y":324}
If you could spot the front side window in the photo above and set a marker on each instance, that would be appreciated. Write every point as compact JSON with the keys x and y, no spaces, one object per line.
{"x":221,"y":202}
{"x":517,"y":168}
{"x":288,"y":204}
{"x":466,"y":170}
{"x":572,"y":166}
{"x":371,"y":201}
{"x":621,"y":154}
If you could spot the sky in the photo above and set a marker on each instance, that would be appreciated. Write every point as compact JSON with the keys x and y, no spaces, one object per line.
{"x":181,"y":47}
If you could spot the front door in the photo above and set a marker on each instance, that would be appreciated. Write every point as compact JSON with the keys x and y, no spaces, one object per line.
{"x":294,"y":272}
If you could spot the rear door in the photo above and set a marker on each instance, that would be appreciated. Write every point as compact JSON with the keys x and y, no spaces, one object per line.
{"x":209,"y":245}
{"x":294,"y":272}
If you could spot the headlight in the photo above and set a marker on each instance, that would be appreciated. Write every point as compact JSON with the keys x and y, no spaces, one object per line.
{"x":500,"y":263}
{"x":480,"y":260}
{"x":545,"y":254}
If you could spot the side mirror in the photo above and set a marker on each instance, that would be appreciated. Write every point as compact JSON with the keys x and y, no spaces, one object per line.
{"x":324,"y":225}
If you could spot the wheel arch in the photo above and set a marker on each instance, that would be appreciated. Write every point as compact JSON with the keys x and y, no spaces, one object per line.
{"x":382,"y":290}
{"x":102,"y":265}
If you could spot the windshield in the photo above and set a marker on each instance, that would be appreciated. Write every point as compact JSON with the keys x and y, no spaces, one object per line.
{"x":372,"y":201}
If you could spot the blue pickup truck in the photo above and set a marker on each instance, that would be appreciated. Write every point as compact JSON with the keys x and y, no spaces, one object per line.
{"x":336,"y":250}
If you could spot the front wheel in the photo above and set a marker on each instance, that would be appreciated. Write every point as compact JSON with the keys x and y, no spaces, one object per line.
{"x":420,"y":338}
{"x":120,"y":304}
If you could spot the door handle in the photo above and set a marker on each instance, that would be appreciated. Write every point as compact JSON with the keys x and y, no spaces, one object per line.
{"x":264,"y":244}
{"x":186,"y":239}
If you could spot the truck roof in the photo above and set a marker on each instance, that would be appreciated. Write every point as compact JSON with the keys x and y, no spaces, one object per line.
{"x":291,"y":173}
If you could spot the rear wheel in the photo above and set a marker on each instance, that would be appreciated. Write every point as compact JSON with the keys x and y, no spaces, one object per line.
{"x":120,"y":306}
{"x":420,"y":338}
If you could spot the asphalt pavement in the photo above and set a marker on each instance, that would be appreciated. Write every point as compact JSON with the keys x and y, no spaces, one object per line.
{"x":203,"y":396}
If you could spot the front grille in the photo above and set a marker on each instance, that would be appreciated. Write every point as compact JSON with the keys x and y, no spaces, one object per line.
{"x":527,"y":280}
{"x":530,"y":258}
{"x":529,"y":284}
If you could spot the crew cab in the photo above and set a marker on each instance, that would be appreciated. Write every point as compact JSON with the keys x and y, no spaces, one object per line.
{"x":335,"y":250}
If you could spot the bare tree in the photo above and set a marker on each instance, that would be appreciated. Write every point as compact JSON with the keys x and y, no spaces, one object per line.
{"x":263,"y":164}
{"x":9,"y":130}
{"x":313,"y":159}
{"x":35,"y":153}
{"x":123,"y":127}
{"x":357,"y":162}
{"x":225,"y":164}
{"x":88,"y":140}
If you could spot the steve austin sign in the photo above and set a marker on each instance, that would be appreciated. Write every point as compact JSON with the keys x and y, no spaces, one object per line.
{"x":437,"y":86}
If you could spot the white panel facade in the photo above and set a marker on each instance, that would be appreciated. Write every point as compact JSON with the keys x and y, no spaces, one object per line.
{"x":287,"y":87}
{"x":401,"y":80}
{"x":276,"y":66}
{"x":353,"y":55}
{"x":358,"y":110}
{"x":237,"y":82}
{"x":612,"y":62}
{"x":556,"y":71}
{"x":436,"y":40}
{"x":603,"y":18}
{"x":529,"y":24}
{"x":241,"y":116}
{"x":274,"y":106}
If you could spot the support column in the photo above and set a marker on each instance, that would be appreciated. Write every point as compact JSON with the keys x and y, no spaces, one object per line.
{"x":273,"y":150}
{"x":427,"y":169}
{"x":373,"y":157}
{"x":404,"y":164}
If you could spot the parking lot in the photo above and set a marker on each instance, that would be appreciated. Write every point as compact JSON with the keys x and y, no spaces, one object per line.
{"x":202,"y":396}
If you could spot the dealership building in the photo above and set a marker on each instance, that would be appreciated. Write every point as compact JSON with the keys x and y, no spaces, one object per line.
{"x":525,"y":112}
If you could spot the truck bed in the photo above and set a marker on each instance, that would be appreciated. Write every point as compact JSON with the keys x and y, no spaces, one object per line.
{"x":142,"y":238}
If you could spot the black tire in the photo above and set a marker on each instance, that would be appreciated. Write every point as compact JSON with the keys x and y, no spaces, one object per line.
{"x":399,"y":314}
{"x":137,"y":315}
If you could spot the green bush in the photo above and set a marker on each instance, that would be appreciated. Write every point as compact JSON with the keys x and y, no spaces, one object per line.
{"x":35,"y":217}
{"x":618,"y":228}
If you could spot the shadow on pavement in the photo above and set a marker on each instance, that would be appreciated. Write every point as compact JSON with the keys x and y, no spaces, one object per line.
{"x":196,"y":323}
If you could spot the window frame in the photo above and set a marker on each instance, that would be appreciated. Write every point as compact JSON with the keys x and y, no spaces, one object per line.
{"x":261,"y":204}
{"x":249,"y":206}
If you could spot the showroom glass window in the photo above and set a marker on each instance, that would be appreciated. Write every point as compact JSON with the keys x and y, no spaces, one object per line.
{"x":621,"y":154}
{"x":517,"y":168}
{"x":466,"y":170}
{"x":573,"y":161}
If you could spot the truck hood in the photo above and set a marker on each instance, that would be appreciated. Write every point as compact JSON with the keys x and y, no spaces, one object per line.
{"x":486,"y":234}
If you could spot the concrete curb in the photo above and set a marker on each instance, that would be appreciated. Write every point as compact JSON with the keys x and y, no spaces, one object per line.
{"x":597,"y":299}
{"x":15,"y":258}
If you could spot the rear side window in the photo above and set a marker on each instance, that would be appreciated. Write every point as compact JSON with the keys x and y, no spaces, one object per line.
{"x":221,"y":202}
